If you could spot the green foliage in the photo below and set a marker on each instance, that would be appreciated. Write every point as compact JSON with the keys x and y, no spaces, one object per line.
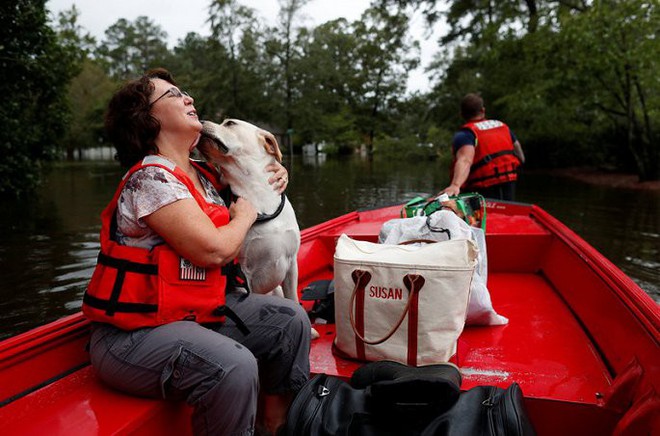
{"x":327,"y":84}
{"x":72,"y":36}
{"x":89,"y":93}
{"x":201,"y":67}
{"x":339,"y":129}
{"x":385,"y":56}
{"x":131,"y":48}
{"x":284,"y":49}
{"x":36,"y":69}
{"x":575,"y":80}
{"x":615,"y":58}
{"x":235,"y":28}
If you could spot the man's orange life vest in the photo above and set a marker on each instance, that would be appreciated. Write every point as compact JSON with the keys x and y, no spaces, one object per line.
{"x":135,"y":287}
{"x":494,"y":160}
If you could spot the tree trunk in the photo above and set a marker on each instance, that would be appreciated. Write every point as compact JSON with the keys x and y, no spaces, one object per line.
{"x":651,"y":159}
{"x":533,"y":13}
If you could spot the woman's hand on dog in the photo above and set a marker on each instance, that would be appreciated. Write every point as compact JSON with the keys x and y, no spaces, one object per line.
{"x":242,"y":208}
{"x":280,"y":178}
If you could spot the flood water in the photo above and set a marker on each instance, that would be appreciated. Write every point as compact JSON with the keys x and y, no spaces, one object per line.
{"x":49,"y":243}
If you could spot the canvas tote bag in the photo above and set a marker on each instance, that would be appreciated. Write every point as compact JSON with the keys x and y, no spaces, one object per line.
{"x":404,"y":303}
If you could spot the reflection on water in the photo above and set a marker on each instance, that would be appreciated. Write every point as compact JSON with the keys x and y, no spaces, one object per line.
{"x":622,"y":224}
{"x":49,"y":244}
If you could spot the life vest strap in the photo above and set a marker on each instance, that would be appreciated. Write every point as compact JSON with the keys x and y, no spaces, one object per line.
{"x":127,"y":266}
{"x":497,"y":175}
{"x":490,"y":157}
{"x":226,"y":311}
{"x":101,"y":304}
{"x":122,"y":266}
{"x":235,"y":276}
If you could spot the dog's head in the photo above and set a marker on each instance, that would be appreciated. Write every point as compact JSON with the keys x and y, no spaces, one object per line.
{"x":235,"y":138}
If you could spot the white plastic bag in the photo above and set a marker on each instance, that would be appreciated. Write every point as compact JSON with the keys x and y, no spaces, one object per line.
{"x":442,"y":226}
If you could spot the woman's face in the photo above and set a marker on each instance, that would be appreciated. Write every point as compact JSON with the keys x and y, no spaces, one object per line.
{"x":173,"y":109}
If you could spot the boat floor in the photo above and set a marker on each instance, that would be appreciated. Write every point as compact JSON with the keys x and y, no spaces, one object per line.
{"x":545,"y":351}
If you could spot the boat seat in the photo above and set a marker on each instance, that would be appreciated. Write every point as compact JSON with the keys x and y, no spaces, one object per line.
{"x":514,"y":243}
{"x":82,"y":402}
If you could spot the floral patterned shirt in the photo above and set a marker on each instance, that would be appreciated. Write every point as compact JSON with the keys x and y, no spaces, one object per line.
{"x":146,"y":191}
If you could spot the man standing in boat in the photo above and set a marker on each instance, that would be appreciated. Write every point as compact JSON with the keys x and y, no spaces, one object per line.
{"x":486,"y":154}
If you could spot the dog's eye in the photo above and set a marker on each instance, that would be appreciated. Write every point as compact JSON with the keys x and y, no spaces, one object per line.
{"x":229,"y":123}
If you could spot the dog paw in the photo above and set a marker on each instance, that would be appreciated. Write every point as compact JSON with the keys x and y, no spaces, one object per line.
{"x":315,"y":334}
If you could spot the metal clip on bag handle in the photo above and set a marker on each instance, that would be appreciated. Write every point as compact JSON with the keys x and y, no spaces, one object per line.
{"x":410,"y":280}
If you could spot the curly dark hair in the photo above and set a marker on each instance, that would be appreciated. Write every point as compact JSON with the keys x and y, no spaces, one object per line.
{"x":128,"y":120}
{"x":471,"y":106}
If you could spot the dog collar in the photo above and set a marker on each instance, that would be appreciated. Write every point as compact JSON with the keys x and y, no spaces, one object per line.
{"x":263,"y":217}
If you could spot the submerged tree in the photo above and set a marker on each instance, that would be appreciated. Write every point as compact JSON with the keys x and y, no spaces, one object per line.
{"x":282,"y":48}
{"x":232,"y":26}
{"x":328,"y":83}
{"x":385,"y":56}
{"x":88,"y":92}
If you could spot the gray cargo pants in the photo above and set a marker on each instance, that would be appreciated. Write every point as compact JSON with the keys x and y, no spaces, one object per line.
{"x":217,"y":369}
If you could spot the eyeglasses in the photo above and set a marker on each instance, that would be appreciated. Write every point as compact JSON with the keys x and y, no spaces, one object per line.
{"x":175,"y":93}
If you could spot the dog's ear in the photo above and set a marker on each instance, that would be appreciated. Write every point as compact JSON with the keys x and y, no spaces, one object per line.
{"x":270,"y":144}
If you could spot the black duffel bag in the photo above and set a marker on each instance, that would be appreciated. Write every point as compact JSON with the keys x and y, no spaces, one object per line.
{"x":325,"y":406}
{"x":484,"y":410}
{"x":384,"y":398}
{"x":388,"y":398}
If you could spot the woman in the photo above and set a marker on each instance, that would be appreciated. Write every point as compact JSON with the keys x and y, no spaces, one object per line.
{"x":156,"y":295}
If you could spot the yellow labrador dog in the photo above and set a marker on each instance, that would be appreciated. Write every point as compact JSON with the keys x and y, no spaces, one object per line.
{"x":269,"y":253}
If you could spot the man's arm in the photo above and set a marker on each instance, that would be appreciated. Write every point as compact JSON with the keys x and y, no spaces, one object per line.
{"x":518,"y":151}
{"x":464,"y":159}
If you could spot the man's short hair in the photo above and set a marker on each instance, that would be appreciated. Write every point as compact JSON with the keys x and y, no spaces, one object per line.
{"x":471,"y":106}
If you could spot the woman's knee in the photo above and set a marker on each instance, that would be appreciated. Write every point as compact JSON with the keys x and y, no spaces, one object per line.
{"x":228,"y":404}
{"x":242,"y":371}
{"x":231,"y":372}
{"x":299,"y":318}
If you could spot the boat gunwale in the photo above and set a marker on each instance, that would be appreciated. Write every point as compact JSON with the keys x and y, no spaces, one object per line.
{"x":629,"y":293}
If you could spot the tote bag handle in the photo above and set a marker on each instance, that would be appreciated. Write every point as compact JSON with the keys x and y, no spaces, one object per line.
{"x":414,"y":241}
{"x":410,"y":280}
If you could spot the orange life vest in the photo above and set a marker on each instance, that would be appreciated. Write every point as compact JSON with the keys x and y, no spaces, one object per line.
{"x":494,"y":160}
{"x":135,"y":287}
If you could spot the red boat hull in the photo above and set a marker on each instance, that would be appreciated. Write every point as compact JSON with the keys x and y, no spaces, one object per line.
{"x":582,"y":341}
